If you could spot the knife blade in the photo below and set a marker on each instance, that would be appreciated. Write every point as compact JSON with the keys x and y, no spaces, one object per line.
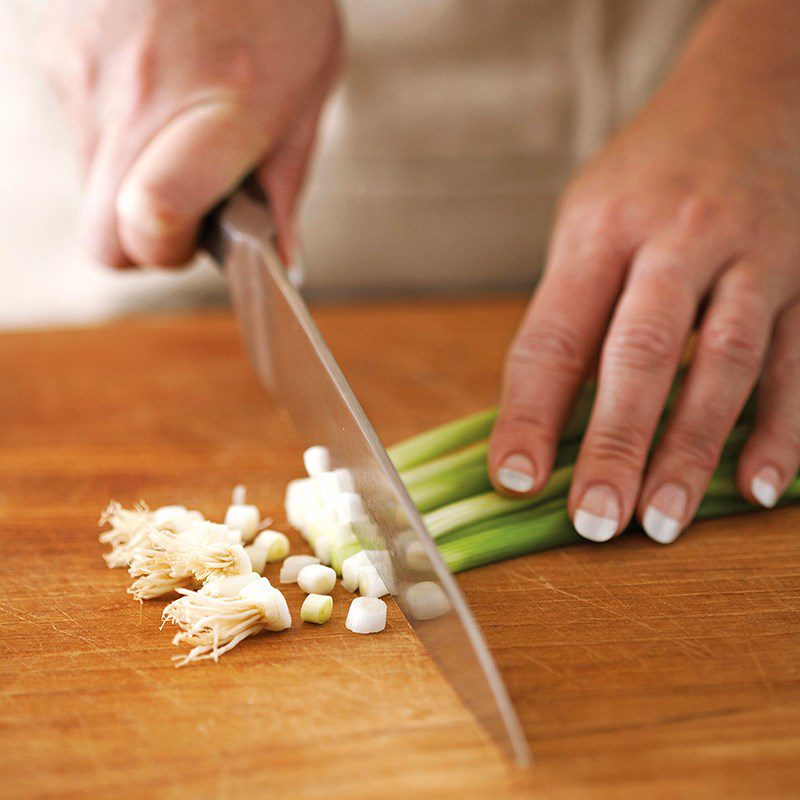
{"x":293,"y":362}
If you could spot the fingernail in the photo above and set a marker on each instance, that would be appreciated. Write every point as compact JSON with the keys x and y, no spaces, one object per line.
{"x":296,"y":271}
{"x":663,"y":516}
{"x":135,"y":210}
{"x":765,"y":486}
{"x":597,"y":517}
{"x":516,"y":473}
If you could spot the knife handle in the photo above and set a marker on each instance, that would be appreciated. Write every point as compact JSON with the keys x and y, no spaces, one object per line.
{"x":213,"y":239}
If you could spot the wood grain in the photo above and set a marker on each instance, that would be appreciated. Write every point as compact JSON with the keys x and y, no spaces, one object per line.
{"x":639,"y":671}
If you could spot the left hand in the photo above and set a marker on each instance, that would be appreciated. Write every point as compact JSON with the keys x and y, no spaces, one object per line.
{"x":696,"y":202}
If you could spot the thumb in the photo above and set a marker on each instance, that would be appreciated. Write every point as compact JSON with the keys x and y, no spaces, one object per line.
{"x":193,"y":161}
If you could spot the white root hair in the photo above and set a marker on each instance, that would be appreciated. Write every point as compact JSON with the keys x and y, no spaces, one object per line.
{"x":212,"y":625}
{"x":168,"y":562}
{"x":128,"y":529}
{"x":215,"y":625}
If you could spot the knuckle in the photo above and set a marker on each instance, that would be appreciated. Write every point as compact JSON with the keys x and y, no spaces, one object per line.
{"x":734,"y":343}
{"x":698,"y":214}
{"x":590,"y":217}
{"x":694,"y":448}
{"x":625,"y":445}
{"x":551,"y":344}
{"x":239,"y":70}
{"x":516,"y":417}
{"x":642,"y":346}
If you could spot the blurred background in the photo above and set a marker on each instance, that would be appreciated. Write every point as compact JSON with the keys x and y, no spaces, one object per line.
{"x":440,"y":160}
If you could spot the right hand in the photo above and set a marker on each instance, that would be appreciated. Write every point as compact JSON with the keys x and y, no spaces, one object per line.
{"x":175,"y":101}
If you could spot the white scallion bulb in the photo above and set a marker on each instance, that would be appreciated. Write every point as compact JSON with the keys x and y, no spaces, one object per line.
{"x":344,"y":479}
{"x":258,"y":557}
{"x":349,"y":508}
{"x":330,"y":485}
{"x":183,"y":522}
{"x":366,"y":615}
{"x":167,"y":513}
{"x":426,"y":600}
{"x":343,"y":534}
{"x":229,"y":585}
{"x":207,"y":532}
{"x":239,"y":495}
{"x":284,"y":617}
{"x":270,"y":602}
{"x":417,"y":558}
{"x":316,"y":459}
{"x":291,"y":567}
{"x":320,"y":522}
{"x":322,"y":548}
{"x":244,"y":518}
{"x":316,"y":579}
{"x":241,"y":564}
{"x":327,"y":487}
{"x":275,"y":543}
{"x":370,"y":583}
{"x":301,"y":499}
{"x":351,"y":567}
{"x":317,"y":608}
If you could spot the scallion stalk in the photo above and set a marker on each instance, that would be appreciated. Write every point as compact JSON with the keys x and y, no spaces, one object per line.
{"x":450,"y":487}
{"x":474,"y":455}
{"x":491,"y":504}
{"x":509,"y":539}
{"x":446,"y":473}
{"x":442,"y":439}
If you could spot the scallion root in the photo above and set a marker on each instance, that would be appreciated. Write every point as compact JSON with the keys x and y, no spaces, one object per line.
{"x":213,"y":625}
{"x":125,"y":526}
{"x":175,"y":561}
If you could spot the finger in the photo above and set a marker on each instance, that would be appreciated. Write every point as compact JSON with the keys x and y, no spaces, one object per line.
{"x":283,"y":174}
{"x":192,"y":162}
{"x":771,"y":457}
{"x":98,"y":221}
{"x":729,"y":354}
{"x":639,"y":360}
{"x":556,"y":342}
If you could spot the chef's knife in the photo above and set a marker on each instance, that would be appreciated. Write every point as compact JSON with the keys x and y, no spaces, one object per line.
{"x":295,"y":365}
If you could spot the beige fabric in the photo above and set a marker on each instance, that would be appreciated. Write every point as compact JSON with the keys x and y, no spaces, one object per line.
{"x":458,"y":124}
{"x":441,"y":157}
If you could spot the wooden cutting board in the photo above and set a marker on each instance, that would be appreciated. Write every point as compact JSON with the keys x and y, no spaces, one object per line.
{"x":639,"y":671}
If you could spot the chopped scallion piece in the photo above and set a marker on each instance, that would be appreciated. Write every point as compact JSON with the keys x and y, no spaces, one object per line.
{"x":366,"y":615}
{"x":317,"y":608}
{"x":291,"y":567}
{"x":316,"y":579}
{"x":275,"y":543}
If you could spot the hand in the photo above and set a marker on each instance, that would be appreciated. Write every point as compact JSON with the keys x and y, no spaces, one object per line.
{"x":696,"y":202}
{"x":175,"y":101}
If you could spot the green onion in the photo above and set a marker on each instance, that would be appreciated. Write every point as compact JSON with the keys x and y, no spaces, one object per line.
{"x":450,"y":487}
{"x":317,"y":608}
{"x":491,"y":504}
{"x":443,"y":439}
{"x":446,"y":473}
{"x":552,"y":529}
{"x":340,"y":553}
{"x":474,"y":455}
